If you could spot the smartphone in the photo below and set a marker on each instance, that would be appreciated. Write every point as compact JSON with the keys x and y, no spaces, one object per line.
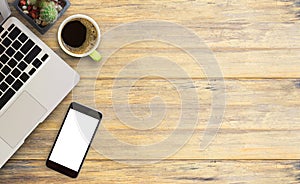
{"x":74,"y":139}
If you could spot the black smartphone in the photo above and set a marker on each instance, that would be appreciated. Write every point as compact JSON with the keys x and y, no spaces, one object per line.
{"x":74,"y":139}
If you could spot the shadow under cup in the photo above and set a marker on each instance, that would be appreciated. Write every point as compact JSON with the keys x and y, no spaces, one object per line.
{"x":79,"y":36}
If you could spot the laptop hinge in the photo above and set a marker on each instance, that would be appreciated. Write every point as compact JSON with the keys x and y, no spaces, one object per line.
{"x":4,"y":11}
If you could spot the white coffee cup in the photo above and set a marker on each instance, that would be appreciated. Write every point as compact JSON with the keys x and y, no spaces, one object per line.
{"x":93,"y":53}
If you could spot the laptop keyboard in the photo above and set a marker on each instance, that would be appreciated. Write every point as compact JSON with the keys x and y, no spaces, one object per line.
{"x":18,"y":61}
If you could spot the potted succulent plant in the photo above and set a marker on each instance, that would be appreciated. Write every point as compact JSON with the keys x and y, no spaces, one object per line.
{"x":42,"y":14}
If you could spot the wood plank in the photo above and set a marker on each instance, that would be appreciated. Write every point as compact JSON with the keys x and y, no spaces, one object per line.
{"x":233,"y":64}
{"x":185,"y":171}
{"x":230,"y":144}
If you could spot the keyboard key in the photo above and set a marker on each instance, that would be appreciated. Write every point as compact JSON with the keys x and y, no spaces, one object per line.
{"x":24,"y":77}
{"x":32,"y":71}
{"x":1,"y":65}
{"x":12,"y":63}
{"x":18,"y":56}
{"x":1,"y":77}
{"x":14,"y":34}
{"x":4,"y":34}
{"x":6,"y":42}
{"x":3,"y":86}
{"x":1,"y":29}
{"x":2,"y":49}
{"x":5,"y":70}
{"x":32,"y":54}
{"x":17,"y":85}
{"x":16,"y":73}
{"x":36,"y":63}
{"x":9,"y":79}
{"x":10,"y":51}
{"x":6,"y":97}
{"x":22,"y":37}
{"x":45,"y":57}
{"x":16,"y":45}
{"x":11,"y":26}
{"x":4,"y":58}
{"x":28,"y":45}
{"x":22,"y":65}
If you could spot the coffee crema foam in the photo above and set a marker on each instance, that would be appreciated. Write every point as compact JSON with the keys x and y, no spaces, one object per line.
{"x":90,"y":41}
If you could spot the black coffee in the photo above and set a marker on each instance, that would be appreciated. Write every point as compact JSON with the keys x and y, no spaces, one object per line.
{"x":74,"y":34}
{"x":79,"y":36}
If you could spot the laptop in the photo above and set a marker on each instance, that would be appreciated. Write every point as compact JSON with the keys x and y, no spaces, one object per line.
{"x":33,"y":81}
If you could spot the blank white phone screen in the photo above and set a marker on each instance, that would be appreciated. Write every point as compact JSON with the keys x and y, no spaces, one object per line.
{"x":73,"y":140}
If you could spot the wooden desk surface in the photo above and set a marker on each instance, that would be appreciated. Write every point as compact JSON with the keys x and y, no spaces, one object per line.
{"x":257,"y":45}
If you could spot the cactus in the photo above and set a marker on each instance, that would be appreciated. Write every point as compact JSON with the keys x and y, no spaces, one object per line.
{"x":32,"y":2}
{"x":44,"y":3}
{"x":48,"y":13}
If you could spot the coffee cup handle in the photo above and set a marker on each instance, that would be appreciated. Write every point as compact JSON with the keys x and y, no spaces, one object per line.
{"x":96,"y":56}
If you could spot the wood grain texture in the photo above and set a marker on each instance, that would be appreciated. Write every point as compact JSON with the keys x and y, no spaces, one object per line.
{"x":251,"y":120}
{"x":256,"y":44}
{"x":191,"y":171}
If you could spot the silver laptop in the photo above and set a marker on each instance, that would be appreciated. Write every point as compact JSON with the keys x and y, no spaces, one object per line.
{"x":33,"y":81}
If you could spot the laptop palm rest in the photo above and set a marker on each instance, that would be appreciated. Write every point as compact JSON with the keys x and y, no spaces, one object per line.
{"x":14,"y":127}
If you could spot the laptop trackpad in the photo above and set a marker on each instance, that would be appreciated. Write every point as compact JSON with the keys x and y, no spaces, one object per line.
{"x":20,"y":118}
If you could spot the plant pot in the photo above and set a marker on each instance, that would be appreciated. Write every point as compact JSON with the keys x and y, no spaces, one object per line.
{"x":40,"y":28}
